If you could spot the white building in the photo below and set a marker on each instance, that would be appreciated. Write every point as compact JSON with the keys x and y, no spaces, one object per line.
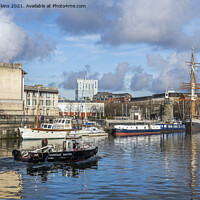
{"x":11,"y":89}
{"x":48,"y":100}
{"x":76,"y":109}
{"x":86,"y":88}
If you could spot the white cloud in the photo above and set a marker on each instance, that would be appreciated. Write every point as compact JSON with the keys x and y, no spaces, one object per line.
{"x":157,"y":22}
{"x":173,"y":71}
{"x":114,"y":81}
{"x":162,"y":23}
{"x":84,"y":38}
{"x":17,"y":44}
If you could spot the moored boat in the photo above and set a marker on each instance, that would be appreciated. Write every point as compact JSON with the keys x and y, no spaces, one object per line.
{"x":166,"y":127}
{"x":71,"y":151}
{"x":192,"y":125}
{"x":135,"y":130}
{"x":88,"y":132}
{"x":57,"y":130}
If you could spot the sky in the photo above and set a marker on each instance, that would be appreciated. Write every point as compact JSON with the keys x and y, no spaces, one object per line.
{"x":134,"y":46}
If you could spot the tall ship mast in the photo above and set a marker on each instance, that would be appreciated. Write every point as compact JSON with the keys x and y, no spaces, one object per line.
{"x":193,"y":122}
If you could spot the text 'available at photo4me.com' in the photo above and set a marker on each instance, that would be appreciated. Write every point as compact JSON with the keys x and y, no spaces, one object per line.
{"x":40,"y":5}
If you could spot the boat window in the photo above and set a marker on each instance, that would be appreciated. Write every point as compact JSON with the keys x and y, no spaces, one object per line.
{"x":63,"y":121}
{"x":59,"y":121}
{"x":136,"y":127}
{"x":45,"y":126}
{"x":67,"y":121}
{"x":49,"y":126}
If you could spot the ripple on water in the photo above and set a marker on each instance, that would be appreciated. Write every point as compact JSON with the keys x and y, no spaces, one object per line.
{"x":149,"y":167}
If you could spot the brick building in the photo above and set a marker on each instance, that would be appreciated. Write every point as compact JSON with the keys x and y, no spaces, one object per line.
{"x":107,"y":97}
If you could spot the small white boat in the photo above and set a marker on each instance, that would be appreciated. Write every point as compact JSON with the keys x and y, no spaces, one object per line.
{"x":88,"y":132}
{"x":57,"y":130}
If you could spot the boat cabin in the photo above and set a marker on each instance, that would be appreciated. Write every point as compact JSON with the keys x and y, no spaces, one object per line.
{"x":47,"y":126}
{"x":62,"y":123}
{"x":71,"y":145}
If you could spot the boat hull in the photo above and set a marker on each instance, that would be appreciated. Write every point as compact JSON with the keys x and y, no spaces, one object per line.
{"x":37,"y":134}
{"x":193,"y":125}
{"x":89,"y":132}
{"x":124,"y":132}
{"x":60,"y":156}
{"x":176,"y":127}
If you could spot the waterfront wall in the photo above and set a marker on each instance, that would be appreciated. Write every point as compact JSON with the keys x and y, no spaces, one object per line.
{"x":9,"y":125}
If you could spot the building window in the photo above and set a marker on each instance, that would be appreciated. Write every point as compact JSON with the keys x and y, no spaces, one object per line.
{"x":41,"y":102}
{"x":34,"y":94}
{"x":28,"y":93}
{"x":48,"y":102}
{"x":48,"y":95}
{"x":41,"y":94}
{"x":34,"y":102}
{"x":28,"y":102}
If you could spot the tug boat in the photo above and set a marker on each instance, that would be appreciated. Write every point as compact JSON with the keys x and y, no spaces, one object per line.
{"x":71,"y":151}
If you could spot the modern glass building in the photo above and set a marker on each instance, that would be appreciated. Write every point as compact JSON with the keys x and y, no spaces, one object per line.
{"x":85,"y":89}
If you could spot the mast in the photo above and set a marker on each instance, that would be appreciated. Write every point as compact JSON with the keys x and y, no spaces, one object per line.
{"x":192,"y":85}
{"x":85,"y":99}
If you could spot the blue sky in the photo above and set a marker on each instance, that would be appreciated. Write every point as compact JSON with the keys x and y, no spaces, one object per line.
{"x":134,"y":46}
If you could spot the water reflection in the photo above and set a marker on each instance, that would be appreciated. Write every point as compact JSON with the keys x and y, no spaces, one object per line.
{"x":162,"y":166}
{"x":17,"y":179}
{"x":7,"y":145}
{"x":193,"y":166}
{"x":10,"y":185}
{"x":69,"y":170}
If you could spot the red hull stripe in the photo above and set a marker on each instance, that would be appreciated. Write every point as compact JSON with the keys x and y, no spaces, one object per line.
{"x":132,"y":134}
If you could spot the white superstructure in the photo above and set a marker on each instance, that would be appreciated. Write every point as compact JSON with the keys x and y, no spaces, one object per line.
{"x":58,"y":130}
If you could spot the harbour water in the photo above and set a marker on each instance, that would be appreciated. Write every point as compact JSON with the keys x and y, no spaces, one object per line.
{"x":163,"y":166}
